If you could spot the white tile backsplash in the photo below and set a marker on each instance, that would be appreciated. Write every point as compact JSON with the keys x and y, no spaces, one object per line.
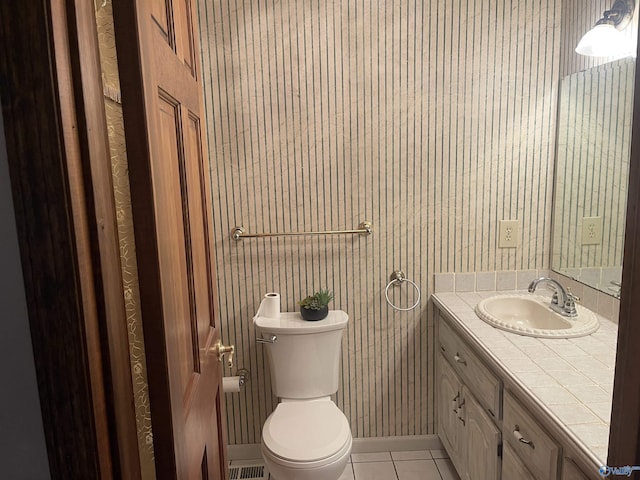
{"x":485,"y":281}
{"x":465,"y":282}
{"x":524,"y":278}
{"x":506,"y":281}
{"x":444,"y":282}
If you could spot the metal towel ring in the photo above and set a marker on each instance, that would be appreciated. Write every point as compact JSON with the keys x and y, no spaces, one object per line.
{"x":397,"y":278}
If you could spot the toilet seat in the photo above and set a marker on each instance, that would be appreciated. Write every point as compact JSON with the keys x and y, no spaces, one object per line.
{"x":306,"y":434}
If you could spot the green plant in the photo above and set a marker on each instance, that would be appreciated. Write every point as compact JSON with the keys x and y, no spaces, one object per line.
{"x":317,"y":301}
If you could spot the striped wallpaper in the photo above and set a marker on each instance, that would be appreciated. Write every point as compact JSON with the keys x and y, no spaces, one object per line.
{"x":594,"y":140}
{"x":432,"y":120}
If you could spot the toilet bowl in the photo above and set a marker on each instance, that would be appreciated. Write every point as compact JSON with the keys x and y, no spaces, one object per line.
{"x":307,"y":437}
{"x":306,"y":440}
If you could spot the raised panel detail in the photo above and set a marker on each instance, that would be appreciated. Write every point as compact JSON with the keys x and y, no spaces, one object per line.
{"x":482,"y":438}
{"x":161,"y":14}
{"x":512,"y":467}
{"x":166,"y":162}
{"x":449,"y":400}
{"x":183,"y":23}
{"x":570,"y":471}
{"x":196,"y":196}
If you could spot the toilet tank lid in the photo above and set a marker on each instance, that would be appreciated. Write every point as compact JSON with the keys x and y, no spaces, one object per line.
{"x":293,"y":323}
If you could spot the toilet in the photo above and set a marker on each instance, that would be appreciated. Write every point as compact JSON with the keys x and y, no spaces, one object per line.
{"x":307,"y":437}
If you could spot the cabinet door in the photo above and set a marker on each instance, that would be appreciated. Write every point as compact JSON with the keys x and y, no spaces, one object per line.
{"x":570,"y":470}
{"x":512,"y":467}
{"x":482,"y":438}
{"x":449,"y":423}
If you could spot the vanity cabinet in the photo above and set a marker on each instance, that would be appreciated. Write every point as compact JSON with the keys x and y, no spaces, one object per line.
{"x":467,"y":431}
{"x":450,"y":419}
{"x":490,"y":432}
{"x":512,"y":467}
{"x":533,"y":446}
{"x":570,"y":470}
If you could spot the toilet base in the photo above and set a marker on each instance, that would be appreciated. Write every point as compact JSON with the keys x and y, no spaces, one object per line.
{"x":330,"y":471}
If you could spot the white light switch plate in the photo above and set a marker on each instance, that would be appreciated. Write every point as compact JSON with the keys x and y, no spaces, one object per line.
{"x":591,"y":230}
{"x":509,"y":233}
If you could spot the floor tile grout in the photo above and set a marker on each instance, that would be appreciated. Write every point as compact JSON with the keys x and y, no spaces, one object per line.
{"x":372,"y":460}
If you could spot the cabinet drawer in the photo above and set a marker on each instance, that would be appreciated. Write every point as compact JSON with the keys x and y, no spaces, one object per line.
{"x":537,"y":450}
{"x":484,"y":384}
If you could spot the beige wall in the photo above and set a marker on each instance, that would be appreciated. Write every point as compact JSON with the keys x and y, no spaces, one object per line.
{"x":432,"y":120}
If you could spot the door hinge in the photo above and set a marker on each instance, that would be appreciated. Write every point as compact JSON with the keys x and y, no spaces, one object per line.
{"x":500,"y":450}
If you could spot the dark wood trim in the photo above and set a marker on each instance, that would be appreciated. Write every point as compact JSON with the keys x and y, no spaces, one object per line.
{"x":51,"y":92}
{"x":132,"y":81}
{"x":624,"y":436}
{"x":96,"y":155}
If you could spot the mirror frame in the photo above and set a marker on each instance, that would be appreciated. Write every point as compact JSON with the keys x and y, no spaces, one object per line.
{"x":624,"y":432}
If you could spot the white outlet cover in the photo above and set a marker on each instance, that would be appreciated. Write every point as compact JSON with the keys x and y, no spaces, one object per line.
{"x":509,"y":233}
{"x":591,"y":230}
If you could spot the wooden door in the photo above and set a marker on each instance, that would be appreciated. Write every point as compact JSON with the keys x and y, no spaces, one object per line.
{"x":157,"y":48}
{"x":482,"y":438}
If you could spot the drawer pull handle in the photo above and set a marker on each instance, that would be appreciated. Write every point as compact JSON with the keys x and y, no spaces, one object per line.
{"x":459,"y":359}
{"x":455,"y":403}
{"x":520,"y":438}
{"x":460,"y":413}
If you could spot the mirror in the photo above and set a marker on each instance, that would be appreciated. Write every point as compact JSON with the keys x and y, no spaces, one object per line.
{"x":592,"y":165}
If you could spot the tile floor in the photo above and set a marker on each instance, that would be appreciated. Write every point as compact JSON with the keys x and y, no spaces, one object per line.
{"x":413,"y":465}
{"x":416,"y":465}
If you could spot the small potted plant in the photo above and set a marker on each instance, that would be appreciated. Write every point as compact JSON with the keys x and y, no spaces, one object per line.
{"x":315,"y":307}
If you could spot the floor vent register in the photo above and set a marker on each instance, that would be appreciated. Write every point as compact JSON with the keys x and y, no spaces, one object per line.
{"x":247,"y":472}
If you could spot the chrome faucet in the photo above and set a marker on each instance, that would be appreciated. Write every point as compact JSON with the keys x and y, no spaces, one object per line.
{"x":563,"y":301}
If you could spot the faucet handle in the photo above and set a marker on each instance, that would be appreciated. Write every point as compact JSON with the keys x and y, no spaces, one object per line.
{"x":570,"y":304}
{"x":571,"y":296}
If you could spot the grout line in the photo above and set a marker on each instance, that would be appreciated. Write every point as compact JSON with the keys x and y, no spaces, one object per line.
{"x":353,"y":472}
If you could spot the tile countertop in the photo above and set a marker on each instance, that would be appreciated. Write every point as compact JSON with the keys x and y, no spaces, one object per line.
{"x":572,"y":378}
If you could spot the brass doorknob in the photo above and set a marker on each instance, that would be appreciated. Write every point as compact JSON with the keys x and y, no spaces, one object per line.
{"x":221,"y":350}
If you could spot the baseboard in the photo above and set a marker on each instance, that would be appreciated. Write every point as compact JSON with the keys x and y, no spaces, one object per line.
{"x":360,"y":445}
{"x":396,"y":444}
{"x":249,"y":451}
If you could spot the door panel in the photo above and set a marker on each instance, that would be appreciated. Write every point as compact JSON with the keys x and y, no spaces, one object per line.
{"x":483,"y":438}
{"x":159,"y":13}
{"x":449,"y":398}
{"x":171,"y":195}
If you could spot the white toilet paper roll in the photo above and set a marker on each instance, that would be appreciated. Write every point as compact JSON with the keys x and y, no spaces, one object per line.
{"x":231,"y":384}
{"x":270,"y":306}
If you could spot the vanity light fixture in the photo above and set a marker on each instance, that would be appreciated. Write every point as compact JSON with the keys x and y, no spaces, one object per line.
{"x":606,"y":39}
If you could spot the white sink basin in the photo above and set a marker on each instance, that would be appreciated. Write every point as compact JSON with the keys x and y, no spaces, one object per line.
{"x":531,"y":315}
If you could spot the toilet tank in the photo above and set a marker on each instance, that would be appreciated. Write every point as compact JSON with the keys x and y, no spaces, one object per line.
{"x":305,"y":359}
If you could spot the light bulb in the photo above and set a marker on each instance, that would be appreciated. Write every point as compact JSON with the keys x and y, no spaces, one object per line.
{"x":603,"y":40}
